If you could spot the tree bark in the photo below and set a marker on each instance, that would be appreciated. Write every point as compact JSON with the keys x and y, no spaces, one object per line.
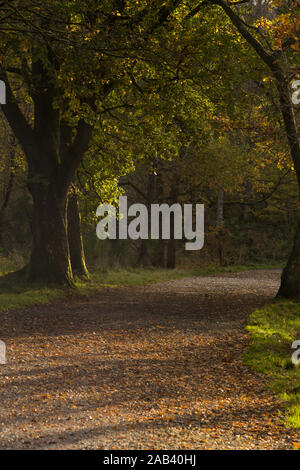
{"x":171,"y":253}
{"x":50,"y":261}
{"x":290,"y":279}
{"x":8,"y":191}
{"x":75,"y":238}
{"x":220,"y":208}
{"x":171,"y":244}
{"x":159,"y":257}
{"x":144,"y":258}
{"x":219,"y":222}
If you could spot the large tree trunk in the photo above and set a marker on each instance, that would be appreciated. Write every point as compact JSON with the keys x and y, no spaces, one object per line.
{"x":50,"y":261}
{"x":75,"y":238}
{"x":290,"y":279}
{"x":53,"y":154}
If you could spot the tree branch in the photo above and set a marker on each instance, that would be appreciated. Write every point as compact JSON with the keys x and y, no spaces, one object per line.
{"x":17,"y":120}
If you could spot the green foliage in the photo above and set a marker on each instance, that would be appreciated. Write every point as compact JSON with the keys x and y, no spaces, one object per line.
{"x":273,"y":330}
{"x":157,"y":86}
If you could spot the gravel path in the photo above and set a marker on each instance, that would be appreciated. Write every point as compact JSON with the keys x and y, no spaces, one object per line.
{"x":153,"y":367}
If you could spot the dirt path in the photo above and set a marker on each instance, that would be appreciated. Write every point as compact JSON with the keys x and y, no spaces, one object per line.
{"x":155,"y":367}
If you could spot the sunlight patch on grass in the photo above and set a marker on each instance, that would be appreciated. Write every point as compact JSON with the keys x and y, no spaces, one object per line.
{"x":141,"y":276}
{"x":16,"y":292}
{"x":28,"y":297}
{"x":273,"y":330}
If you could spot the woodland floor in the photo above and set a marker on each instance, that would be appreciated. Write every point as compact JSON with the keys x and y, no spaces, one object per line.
{"x":153,"y":367}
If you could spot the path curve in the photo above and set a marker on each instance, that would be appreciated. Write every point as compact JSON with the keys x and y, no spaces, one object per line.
{"x":151,"y":367}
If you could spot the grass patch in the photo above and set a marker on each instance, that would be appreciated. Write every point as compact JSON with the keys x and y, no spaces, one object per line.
{"x":15,"y":292}
{"x":273,"y":330}
{"x":141,"y":276}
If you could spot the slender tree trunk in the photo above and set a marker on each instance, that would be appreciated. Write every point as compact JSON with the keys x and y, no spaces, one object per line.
{"x":220,"y":232}
{"x":144,"y":258}
{"x":171,"y":253}
{"x":220,"y":208}
{"x":6,"y":198}
{"x":171,"y":244}
{"x":159,"y":259}
{"x":159,"y":255}
{"x":75,"y":238}
{"x":246,"y":207}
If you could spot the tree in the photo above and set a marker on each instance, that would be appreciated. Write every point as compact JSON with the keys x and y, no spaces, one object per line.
{"x":77,"y":255}
{"x":68,"y":57}
{"x":264,"y":40}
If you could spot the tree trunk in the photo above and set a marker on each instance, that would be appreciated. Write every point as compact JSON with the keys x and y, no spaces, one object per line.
{"x":50,"y":261}
{"x":220,"y":208}
{"x":290,"y":280}
{"x":144,"y":257}
{"x":8,"y":191}
{"x":171,"y":253}
{"x":159,"y":255}
{"x":246,"y":207}
{"x":171,"y":244}
{"x":75,"y":238}
{"x":219,"y":223}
